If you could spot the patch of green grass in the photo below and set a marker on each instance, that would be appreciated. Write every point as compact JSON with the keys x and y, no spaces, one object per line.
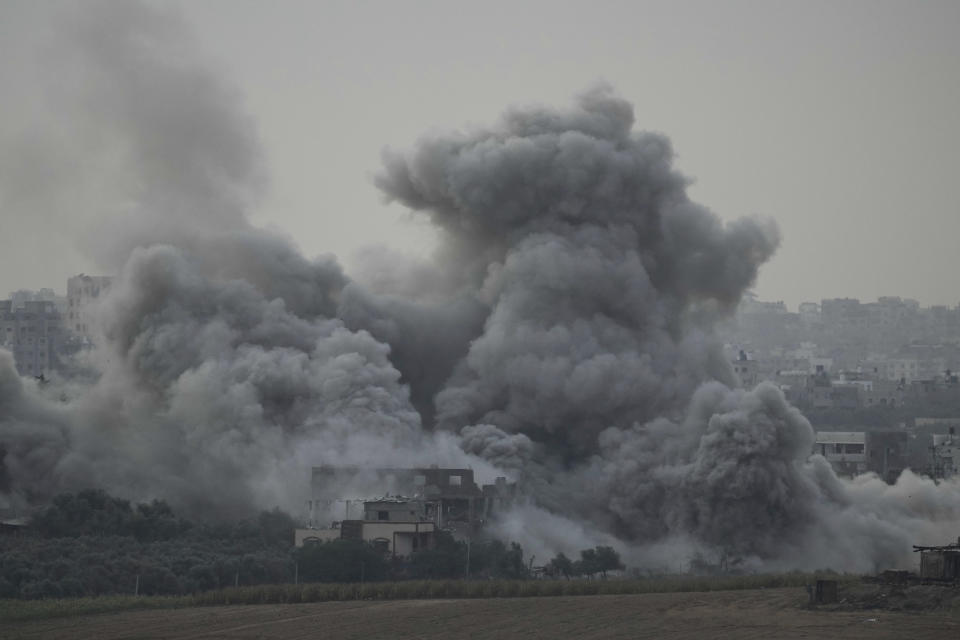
{"x":20,"y":610}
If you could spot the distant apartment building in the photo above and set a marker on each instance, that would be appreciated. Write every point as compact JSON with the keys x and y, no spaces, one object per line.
{"x":746,"y":370}
{"x":83,"y":292}
{"x":397,"y":526}
{"x":852,"y":453}
{"x":883,"y":393}
{"x":842,"y":312}
{"x":809,"y":313}
{"x":902,"y":369}
{"x":33,"y":332}
{"x":22,"y":296}
{"x":846,"y":451}
{"x":945,"y":455}
{"x":752,"y":305}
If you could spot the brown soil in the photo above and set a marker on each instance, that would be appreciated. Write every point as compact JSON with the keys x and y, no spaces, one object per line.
{"x":769,"y":613}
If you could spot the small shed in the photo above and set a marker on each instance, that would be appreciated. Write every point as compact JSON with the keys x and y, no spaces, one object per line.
{"x":940,"y":563}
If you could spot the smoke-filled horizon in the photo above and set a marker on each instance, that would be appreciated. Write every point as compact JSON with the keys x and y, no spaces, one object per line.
{"x":563,"y":334}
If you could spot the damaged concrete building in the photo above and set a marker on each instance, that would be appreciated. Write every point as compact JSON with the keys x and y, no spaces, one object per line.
{"x":411,"y":505}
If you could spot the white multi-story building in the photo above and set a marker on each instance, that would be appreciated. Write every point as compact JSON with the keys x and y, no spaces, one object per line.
{"x":83,"y":292}
{"x":809,"y":312}
{"x":844,"y":450}
{"x":906,"y":369}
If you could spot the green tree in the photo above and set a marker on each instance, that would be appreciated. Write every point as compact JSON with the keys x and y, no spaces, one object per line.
{"x":341,"y":561}
{"x":607,"y":559}
{"x":560,"y":566}
{"x":447,"y":559}
{"x":276,"y":529}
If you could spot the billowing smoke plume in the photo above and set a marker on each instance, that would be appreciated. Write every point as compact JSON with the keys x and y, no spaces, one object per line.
{"x":596,"y":378}
{"x":562,"y":335}
{"x":223,"y":372}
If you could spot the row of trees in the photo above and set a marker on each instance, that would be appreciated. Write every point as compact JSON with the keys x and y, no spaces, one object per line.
{"x":356,"y":561}
{"x":598,"y":560}
{"x":90,"y":543}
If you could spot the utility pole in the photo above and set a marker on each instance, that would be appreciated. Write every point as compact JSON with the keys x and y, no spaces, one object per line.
{"x":296,"y":573}
{"x":466,"y":571}
{"x":136,"y":587}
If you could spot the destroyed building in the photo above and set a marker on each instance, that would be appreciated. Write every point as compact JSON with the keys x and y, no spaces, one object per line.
{"x":411,"y":505}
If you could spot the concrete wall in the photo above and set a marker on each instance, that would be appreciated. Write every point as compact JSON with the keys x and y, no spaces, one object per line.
{"x":393,"y":511}
{"x":400,"y":544}
{"x":398,"y":538}
{"x":300,"y":536}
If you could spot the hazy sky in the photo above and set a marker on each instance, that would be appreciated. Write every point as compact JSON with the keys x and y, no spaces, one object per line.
{"x":841,"y":120}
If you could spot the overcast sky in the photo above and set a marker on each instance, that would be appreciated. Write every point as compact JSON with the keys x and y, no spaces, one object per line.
{"x":841,"y":120}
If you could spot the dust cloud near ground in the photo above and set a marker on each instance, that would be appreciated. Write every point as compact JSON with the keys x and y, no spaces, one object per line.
{"x":761,"y":613}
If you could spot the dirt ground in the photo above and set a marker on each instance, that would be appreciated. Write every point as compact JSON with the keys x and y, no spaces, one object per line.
{"x":770,"y":613}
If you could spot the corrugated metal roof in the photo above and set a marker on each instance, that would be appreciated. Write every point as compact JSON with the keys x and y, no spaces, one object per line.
{"x":838,"y":437}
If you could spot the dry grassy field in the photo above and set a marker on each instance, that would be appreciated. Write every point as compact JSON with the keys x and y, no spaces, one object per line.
{"x":759,"y":613}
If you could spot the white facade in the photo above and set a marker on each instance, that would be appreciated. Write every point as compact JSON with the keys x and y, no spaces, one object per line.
{"x":846,"y":451}
{"x":303,"y":536}
{"x":907,"y":369}
{"x":83,"y":292}
{"x":395,"y":538}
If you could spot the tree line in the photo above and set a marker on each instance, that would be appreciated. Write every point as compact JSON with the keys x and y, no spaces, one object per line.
{"x":91,"y":543}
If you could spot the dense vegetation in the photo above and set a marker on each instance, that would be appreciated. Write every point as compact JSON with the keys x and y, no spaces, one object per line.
{"x":92,"y":544}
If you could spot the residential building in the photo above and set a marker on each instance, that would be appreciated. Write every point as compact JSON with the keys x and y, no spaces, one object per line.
{"x":33,"y":333}
{"x":945,"y":455}
{"x":809,"y":313}
{"x":448,"y":497}
{"x":746,"y":369}
{"x":902,"y":369}
{"x":83,"y":293}
{"x":396,"y":525}
{"x":846,"y":451}
{"x":852,"y":453}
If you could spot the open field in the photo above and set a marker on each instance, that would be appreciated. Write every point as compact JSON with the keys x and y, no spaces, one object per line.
{"x":22,"y":610}
{"x":757,"y":613}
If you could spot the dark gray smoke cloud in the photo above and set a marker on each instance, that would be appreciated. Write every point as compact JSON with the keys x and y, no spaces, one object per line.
{"x":562,"y":335}
{"x":594,"y":264}
{"x":596,"y":378}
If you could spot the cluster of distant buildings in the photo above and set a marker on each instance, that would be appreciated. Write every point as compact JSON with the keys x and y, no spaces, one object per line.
{"x":40,"y":327}
{"x":841,"y":353}
{"x":839,"y":357}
